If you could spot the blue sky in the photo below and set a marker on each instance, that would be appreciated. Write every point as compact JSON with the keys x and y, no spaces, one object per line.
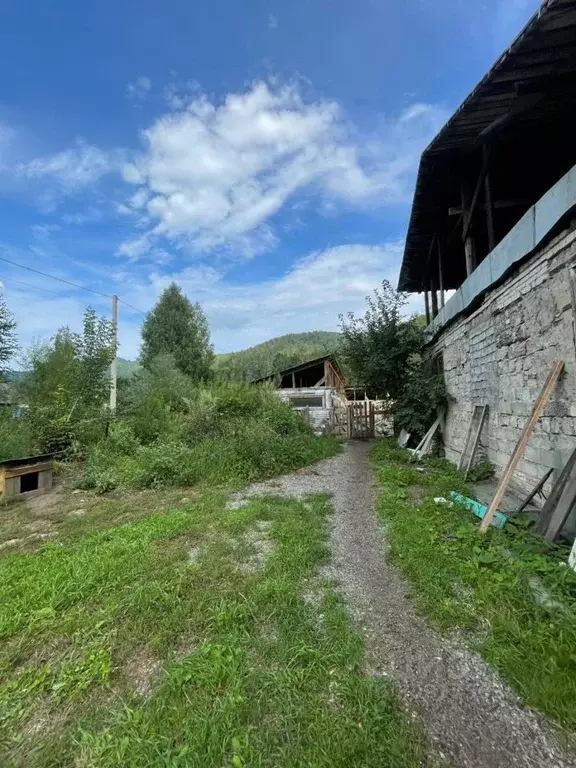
{"x":261,"y":154}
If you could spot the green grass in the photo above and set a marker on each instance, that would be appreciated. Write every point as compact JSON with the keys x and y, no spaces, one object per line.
{"x":232,"y":666}
{"x":510,"y":590}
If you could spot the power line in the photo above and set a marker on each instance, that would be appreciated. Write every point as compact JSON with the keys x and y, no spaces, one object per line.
{"x":53,"y":277}
{"x":130,"y":305}
{"x":66,"y":282}
{"x":29,"y":285}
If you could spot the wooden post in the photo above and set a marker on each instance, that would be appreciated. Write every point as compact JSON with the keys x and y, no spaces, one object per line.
{"x":488,"y":203}
{"x":469,"y":244}
{"x":518,"y":452}
{"x":545,"y":516}
{"x":114,"y":365}
{"x":293,"y":381}
{"x":427,"y":307}
{"x":440,"y":274}
{"x":434,"y":299}
{"x":470,"y":255}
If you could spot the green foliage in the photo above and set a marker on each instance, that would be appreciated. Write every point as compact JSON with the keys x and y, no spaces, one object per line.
{"x":384,"y":353}
{"x":483,"y":470}
{"x":8,"y":343}
{"x":66,"y":385}
{"x":378,"y":346}
{"x":177,"y":327}
{"x":15,"y":436}
{"x":126,"y":368}
{"x":274,"y":355}
{"x":512,"y":591}
{"x":422,"y":392}
{"x":246,"y":672}
{"x":172,"y":432}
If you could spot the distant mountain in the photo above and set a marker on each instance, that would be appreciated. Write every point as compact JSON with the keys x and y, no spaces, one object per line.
{"x":127,"y":368}
{"x":275,"y":354}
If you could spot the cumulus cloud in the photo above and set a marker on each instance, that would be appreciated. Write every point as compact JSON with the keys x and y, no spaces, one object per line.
{"x":214,"y":175}
{"x":74,"y":168}
{"x":310,"y":295}
{"x":139,"y":89}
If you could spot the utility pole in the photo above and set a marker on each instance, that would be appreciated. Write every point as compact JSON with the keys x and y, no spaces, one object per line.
{"x":114,"y":364}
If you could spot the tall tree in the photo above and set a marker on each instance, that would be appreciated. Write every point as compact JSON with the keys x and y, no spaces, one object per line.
{"x":8,"y":344}
{"x":378,"y":345}
{"x":67,"y":384}
{"x":77,"y":365}
{"x":385,"y":352}
{"x":177,"y":327}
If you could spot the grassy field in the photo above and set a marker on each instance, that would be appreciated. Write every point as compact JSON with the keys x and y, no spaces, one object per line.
{"x":511,"y":592}
{"x":159,"y":628}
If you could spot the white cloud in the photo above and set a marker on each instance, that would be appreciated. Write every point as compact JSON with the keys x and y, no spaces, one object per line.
{"x":214,"y":175}
{"x":74,"y":168}
{"x":309,"y":296}
{"x":139,"y":89}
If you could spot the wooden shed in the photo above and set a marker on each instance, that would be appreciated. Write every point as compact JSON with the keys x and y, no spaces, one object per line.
{"x":26,"y":476}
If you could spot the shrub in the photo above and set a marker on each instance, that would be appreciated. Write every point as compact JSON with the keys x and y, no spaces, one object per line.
{"x":15,"y":436}
{"x":226,"y":433}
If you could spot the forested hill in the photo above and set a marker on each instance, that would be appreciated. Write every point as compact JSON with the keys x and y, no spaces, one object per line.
{"x":275,"y":354}
{"x":248,"y":364}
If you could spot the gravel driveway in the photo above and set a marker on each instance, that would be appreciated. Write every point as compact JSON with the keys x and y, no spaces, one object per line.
{"x":472,"y":718}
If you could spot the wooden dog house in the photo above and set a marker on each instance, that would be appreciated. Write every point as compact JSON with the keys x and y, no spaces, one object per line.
{"x":26,"y":476}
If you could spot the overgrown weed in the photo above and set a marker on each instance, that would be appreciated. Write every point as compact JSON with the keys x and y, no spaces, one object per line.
{"x":511,"y":590}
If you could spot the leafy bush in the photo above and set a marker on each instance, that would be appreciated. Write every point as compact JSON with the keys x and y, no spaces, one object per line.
{"x":15,"y":437}
{"x":483,"y":470}
{"x":423,"y":391}
{"x":181,"y":435}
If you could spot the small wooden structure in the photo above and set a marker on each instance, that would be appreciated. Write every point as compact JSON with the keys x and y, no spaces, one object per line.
{"x":322,"y":372}
{"x":27,"y":476}
{"x":319,"y":389}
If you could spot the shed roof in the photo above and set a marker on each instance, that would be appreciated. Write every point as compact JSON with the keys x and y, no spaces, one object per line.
{"x":525,"y":108}
{"x":301,"y":367}
{"x":25,"y":460}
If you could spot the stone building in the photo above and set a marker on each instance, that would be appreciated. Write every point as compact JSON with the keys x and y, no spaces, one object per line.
{"x":493,"y":226}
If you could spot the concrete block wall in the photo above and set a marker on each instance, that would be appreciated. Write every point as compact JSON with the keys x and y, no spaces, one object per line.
{"x":501,"y":355}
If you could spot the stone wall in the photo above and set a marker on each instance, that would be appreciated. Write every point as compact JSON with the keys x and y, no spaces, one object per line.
{"x":501,"y":355}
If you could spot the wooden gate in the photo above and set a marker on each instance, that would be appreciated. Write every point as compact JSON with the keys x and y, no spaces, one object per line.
{"x":360,"y":419}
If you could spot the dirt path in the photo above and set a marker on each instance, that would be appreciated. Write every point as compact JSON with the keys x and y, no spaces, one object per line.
{"x":472,"y":718}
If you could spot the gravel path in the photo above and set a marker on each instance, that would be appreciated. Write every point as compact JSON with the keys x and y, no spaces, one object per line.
{"x":472,"y":718}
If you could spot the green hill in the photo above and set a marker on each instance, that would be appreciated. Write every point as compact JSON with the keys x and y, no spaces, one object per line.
{"x":275,"y":354}
{"x":127,"y":368}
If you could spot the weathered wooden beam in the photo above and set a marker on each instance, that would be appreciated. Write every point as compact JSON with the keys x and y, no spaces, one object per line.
{"x":469,"y":210}
{"x":545,"y":516}
{"x":440,"y":273}
{"x":470,"y":255}
{"x":456,"y":210}
{"x":538,"y":408}
{"x":434,"y":299}
{"x":488,"y":204}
